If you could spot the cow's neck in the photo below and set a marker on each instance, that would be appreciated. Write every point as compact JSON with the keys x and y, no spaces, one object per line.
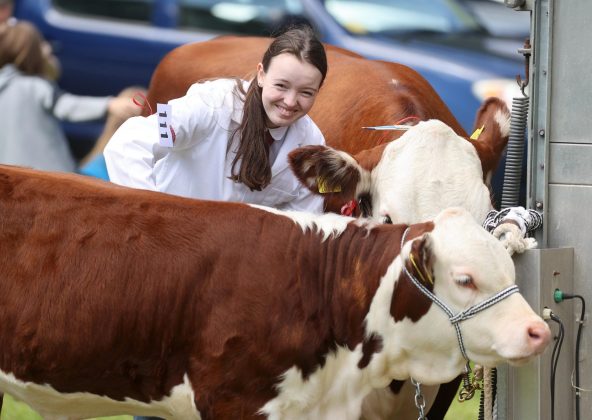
{"x":350,"y":269}
{"x":343,"y":276}
{"x":340,"y":278}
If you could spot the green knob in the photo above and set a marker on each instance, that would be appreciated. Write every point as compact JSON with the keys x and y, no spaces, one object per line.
{"x":558,"y":295}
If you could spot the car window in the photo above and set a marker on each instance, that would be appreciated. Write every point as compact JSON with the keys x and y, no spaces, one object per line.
{"x":250,"y":17}
{"x":135,"y":10}
{"x":395,"y":17}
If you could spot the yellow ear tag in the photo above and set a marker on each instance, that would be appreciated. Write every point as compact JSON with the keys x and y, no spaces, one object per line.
{"x":419,"y":271}
{"x":477,"y":133}
{"x":323,"y":189}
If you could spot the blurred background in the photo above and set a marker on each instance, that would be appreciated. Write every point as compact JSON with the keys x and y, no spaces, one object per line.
{"x":467,"y":49}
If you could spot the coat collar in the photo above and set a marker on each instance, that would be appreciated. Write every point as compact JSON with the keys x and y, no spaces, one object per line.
{"x":278,"y":133}
{"x":291,"y":140}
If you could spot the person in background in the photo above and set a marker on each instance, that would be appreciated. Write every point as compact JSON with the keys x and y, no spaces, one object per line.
{"x":33,"y":105}
{"x":230,"y":138}
{"x":6,"y":11}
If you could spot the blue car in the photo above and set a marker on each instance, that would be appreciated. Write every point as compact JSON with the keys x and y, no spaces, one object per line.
{"x":106,"y":45}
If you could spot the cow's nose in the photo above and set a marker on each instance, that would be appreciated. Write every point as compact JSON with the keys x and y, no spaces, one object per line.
{"x":539,"y":336}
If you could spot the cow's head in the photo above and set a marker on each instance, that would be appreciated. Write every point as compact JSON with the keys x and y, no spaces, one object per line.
{"x":462,"y":265}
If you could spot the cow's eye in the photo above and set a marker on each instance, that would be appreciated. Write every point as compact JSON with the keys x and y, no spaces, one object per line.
{"x":464,"y":280}
{"x":387,"y":220}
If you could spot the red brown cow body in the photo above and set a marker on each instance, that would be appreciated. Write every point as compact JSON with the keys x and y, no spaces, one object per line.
{"x":128,"y":301}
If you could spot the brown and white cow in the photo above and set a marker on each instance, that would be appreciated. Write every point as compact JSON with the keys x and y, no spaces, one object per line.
{"x":117,"y":300}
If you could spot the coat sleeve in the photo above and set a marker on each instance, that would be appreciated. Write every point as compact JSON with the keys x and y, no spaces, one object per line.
{"x":134,"y":149}
{"x":69,"y":107}
{"x":131,"y":153}
{"x":75,"y":108}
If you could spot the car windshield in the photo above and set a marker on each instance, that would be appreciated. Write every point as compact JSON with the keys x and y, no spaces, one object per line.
{"x":401,"y":17}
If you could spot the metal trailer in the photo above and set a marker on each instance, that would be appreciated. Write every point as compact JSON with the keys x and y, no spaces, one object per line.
{"x":559,"y":184}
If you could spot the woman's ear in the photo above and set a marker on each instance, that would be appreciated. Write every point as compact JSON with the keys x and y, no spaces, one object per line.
{"x":260,"y":74}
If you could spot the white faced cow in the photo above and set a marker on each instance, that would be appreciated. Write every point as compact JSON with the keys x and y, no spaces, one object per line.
{"x":426,"y":170}
{"x":127,"y":301}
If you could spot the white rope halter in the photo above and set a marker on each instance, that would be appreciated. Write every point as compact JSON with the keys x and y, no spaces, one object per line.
{"x":470,"y":312}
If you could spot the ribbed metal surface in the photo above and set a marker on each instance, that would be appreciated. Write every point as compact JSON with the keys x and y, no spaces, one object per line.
{"x":515,"y":152}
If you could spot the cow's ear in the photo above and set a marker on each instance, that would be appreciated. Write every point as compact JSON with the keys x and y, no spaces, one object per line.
{"x":490,"y":135}
{"x":420,"y":260}
{"x":326,"y":171}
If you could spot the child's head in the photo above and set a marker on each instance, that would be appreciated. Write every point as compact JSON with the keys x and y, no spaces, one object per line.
{"x":290,"y":75}
{"x":22,"y":45}
{"x":302,"y":43}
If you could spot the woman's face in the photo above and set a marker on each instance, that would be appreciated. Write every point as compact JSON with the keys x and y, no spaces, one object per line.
{"x":290,"y":87}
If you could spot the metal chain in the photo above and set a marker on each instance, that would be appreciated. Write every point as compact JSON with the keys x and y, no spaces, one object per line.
{"x":419,"y":400}
{"x":470,"y":385}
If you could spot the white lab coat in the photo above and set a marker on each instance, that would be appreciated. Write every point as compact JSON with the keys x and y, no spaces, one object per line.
{"x":198,"y":164}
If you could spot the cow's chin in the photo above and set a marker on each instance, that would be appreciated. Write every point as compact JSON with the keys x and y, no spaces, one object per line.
{"x":520,"y":361}
{"x":518,"y":357}
{"x":513,"y":360}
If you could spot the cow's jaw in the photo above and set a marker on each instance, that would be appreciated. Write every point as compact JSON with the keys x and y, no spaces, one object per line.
{"x":514,"y":342}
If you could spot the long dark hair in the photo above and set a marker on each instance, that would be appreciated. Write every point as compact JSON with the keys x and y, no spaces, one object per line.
{"x":252,"y":154}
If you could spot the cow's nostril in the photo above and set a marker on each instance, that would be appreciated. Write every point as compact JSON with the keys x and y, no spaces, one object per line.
{"x":533,"y":333}
{"x":539,"y":334}
{"x":387,"y":220}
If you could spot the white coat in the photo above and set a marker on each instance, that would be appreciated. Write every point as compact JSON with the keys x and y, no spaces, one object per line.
{"x":198,"y":164}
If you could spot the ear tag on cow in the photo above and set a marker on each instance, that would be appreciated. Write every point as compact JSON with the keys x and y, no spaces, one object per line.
{"x":477,"y":133}
{"x":419,"y":271}
{"x":164,"y":117}
{"x":323,"y":188}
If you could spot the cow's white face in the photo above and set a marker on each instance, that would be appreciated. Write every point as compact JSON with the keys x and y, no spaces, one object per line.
{"x":426,"y":170}
{"x":472,"y":266}
{"x":468,"y":265}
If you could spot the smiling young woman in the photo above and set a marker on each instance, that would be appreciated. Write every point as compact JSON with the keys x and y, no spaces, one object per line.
{"x":231,"y":137}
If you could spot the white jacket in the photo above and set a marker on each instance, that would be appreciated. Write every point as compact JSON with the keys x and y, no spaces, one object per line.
{"x":198,"y":164}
